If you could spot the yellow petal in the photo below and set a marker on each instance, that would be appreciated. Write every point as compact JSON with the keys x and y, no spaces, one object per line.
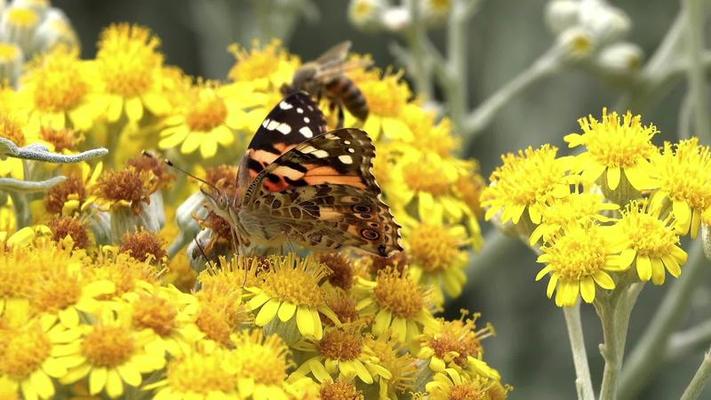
{"x":613,"y":177}
{"x":305,"y":322}
{"x":42,"y":384}
{"x":644,"y":268}
{"x":552,"y":283}
{"x":97,"y":380}
{"x":191,"y":143}
{"x":114,"y":385}
{"x":113,"y":112}
{"x":682,"y":212}
{"x":587,"y":289}
{"x":129,"y":374}
{"x":134,"y":109}
{"x":286,"y":311}
{"x":658,"y":275}
{"x":208,"y":148}
{"x":267,"y":312}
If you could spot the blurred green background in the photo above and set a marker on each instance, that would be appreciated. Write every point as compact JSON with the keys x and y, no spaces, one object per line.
{"x":531,"y":348}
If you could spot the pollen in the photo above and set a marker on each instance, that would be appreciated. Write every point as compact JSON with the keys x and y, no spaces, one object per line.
{"x":11,"y":129}
{"x":345,"y":343}
{"x":398,"y":293}
{"x":259,"y":62}
{"x":123,"y":270}
{"x":466,"y":391}
{"x":220,"y":314}
{"x":647,"y":234}
{"x":155,"y":313}
{"x":144,"y":245}
{"x":200,"y":373}
{"x":296,"y":281}
{"x":578,"y":253}
{"x":108,"y":346}
{"x":56,"y":288}
{"x":340,"y":390}
{"x":207,"y":110}
{"x":69,"y":226}
{"x":61,"y":139}
{"x":128,"y":57}
{"x":73,"y":186}
{"x":426,"y":177}
{"x":341,"y":269}
{"x":461,"y":337}
{"x":125,"y":184}
{"x":16,"y":276}
{"x":433,"y":247}
{"x":343,"y":305}
{"x":265,"y":360}
{"x":386,"y":96}
{"x":60,"y":83}
{"x":24,"y":351}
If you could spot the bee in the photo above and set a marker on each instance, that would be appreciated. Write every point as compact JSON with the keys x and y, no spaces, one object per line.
{"x":325,"y":77}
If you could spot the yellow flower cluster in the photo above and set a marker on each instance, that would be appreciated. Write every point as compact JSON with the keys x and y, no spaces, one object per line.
{"x":621,"y":202}
{"x":98,"y":296}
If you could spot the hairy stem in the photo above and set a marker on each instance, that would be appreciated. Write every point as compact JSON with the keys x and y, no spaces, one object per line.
{"x":695,"y":16}
{"x":698,"y":382}
{"x":580,"y":356}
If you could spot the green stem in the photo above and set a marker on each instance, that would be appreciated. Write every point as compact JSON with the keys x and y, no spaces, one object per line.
{"x":698,"y":382}
{"x":644,"y":358}
{"x":695,"y":15}
{"x":614,"y":311}
{"x":416,"y":38}
{"x":583,"y":382}
{"x":456,"y":84}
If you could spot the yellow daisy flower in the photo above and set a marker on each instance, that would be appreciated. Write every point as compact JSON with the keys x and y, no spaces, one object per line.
{"x":682,"y":178}
{"x":578,"y":259}
{"x":452,"y":384}
{"x":111,"y":355}
{"x":209,"y":120}
{"x":651,"y":243}
{"x":619,"y":148}
{"x":342,"y":353}
{"x":436,"y":136}
{"x":387,"y":96}
{"x":72,"y":196}
{"x":525,"y":182}
{"x":59,"y":91}
{"x":265,"y":67}
{"x":32,"y":355}
{"x":291,"y":289}
{"x":400,"y":306}
{"x":403,"y":367}
{"x":126,"y":188}
{"x":126,"y":273}
{"x":11,"y":127}
{"x":130,"y":68}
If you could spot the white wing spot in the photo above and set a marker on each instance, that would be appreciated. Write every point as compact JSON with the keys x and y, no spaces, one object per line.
{"x":285,"y":106}
{"x":299,"y":110}
{"x":284,"y":128}
{"x":320,"y":153}
{"x":307,"y":120}
{"x":306,"y":131}
{"x":345,"y":159}
{"x":347,"y":141}
{"x":272,"y":125}
{"x":351,"y":150}
{"x":265,"y":123}
{"x":308,"y":149}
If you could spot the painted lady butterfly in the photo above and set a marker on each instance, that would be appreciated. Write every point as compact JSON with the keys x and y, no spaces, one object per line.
{"x":299,"y":184}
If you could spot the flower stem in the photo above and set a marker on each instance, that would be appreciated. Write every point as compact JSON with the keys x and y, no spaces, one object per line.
{"x":420,"y":62}
{"x":698,"y":382}
{"x":580,"y":356}
{"x":694,"y":12}
{"x":684,"y":343}
{"x":644,"y":358}
{"x":614,"y":312}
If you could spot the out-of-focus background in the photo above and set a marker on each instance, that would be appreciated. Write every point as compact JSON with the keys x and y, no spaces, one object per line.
{"x":504,"y":37}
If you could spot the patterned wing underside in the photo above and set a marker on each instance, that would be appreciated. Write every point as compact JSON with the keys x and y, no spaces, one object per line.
{"x":328,"y":196}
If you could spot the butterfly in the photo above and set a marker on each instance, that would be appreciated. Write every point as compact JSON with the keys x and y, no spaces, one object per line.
{"x":301,"y":184}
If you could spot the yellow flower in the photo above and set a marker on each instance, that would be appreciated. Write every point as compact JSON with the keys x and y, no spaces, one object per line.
{"x":436,"y":250}
{"x":112,"y":355}
{"x":209,"y":119}
{"x":525,"y":182}
{"x":266,"y":68}
{"x":682,"y":178}
{"x":198,"y":375}
{"x":340,"y":389}
{"x":578,"y":259}
{"x":31,"y":355}
{"x":397,"y":360}
{"x":127,"y":274}
{"x":386,"y":95}
{"x":618,"y":148}
{"x":400,"y":306}
{"x":454,"y":385}
{"x":577,"y":208}
{"x":342,"y":354}
{"x":59,"y":92}
{"x":651,"y":243}
{"x":131,"y":71}
{"x":11,"y":127}
{"x":427,"y":133}
{"x":129,"y":187}
{"x":72,"y":196}
{"x":291,"y":288}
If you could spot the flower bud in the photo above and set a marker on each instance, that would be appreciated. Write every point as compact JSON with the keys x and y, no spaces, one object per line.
{"x":561,"y":15}
{"x":55,"y":30}
{"x":126,"y":220}
{"x":396,"y":19}
{"x":576,"y":44}
{"x":10,"y":63}
{"x":435,"y":12}
{"x":620,"y":59}
{"x":365,"y":14}
{"x":39,"y":6}
{"x":18,"y":25}
{"x":185,"y":214}
{"x":99,"y":223}
{"x":604,"y":22}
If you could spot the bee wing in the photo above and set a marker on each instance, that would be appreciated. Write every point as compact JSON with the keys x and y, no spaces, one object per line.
{"x":335,"y":55}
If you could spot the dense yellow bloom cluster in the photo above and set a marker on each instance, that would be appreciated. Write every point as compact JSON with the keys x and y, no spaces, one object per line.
{"x":99,"y":297}
{"x":621,"y":202}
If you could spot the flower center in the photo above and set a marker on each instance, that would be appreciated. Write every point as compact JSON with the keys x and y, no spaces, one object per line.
{"x":143,"y":245}
{"x":10,"y":129}
{"x":207,"y":114}
{"x":24,"y":352}
{"x":433,"y":248}
{"x":263,"y":360}
{"x":340,"y":390}
{"x":258,"y":63}
{"x":297,"y":286}
{"x":125,"y":184}
{"x":341,"y":344}
{"x":200,"y":373}
{"x":426,"y":177}
{"x":9,"y":52}
{"x":108,"y":346}
{"x":578,"y":254}
{"x":400,"y":295}
{"x":56,"y":289}
{"x":648,"y":235}
{"x":220,"y":314}
{"x":72,"y":227}
{"x":343,"y":306}
{"x":341,"y":270}
{"x":685,"y":174}
{"x":61,"y":85}
{"x":618,"y":143}
{"x":466,"y":391}
{"x":128,"y":59}
{"x":22,"y":17}
{"x":155,"y":313}
{"x":58,"y":195}
{"x":386,"y":96}
{"x":62,"y":139}
{"x":458,"y":337}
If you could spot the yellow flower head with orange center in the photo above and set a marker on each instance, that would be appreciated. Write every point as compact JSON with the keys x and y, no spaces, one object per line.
{"x":651,"y":243}
{"x":220,"y":309}
{"x":128,"y":187}
{"x":59,"y":92}
{"x":265,"y":67}
{"x":579,"y":259}
{"x":427,"y":133}
{"x":616,"y":147}
{"x":454,"y":385}
{"x":292,"y":287}
{"x":397,"y":360}
{"x":681,"y":176}
{"x":451,"y":343}
{"x":525,"y":182}
{"x":131,"y":69}
{"x":386,"y":95}
{"x":11,"y":128}
{"x":125,"y":272}
{"x":263,"y":363}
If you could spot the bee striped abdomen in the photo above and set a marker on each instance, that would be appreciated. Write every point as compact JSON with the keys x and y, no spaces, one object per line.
{"x":343,"y":89}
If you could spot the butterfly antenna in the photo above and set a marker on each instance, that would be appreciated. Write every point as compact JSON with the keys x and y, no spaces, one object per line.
{"x":179,"y":169}
{"x":202,"y":251}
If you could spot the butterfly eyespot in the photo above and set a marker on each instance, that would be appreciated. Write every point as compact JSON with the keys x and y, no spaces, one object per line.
{"x":366,"y":216}
{"x":361,"y":209}
{"x":276,"y":204}
{"x":373,"y":224}
{"x":369,"y":234}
